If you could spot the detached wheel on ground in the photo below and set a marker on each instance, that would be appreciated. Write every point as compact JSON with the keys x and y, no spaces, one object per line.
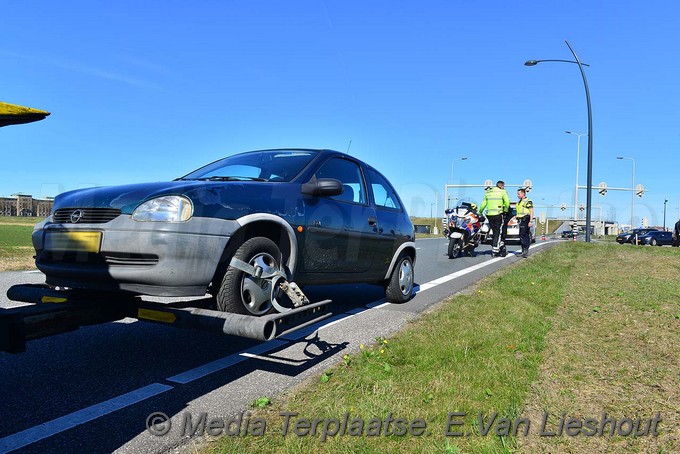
{"x":400,"y":285}
{"x":241,"y":293}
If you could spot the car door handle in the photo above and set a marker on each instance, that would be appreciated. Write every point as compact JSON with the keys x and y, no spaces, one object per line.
{"x":372,"y":221}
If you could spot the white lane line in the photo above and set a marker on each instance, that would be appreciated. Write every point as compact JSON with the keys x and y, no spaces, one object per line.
{"x":441,"y":280}
{"x":376,"y":303}
{"x":222,"y":363}
{"x":32,"y":272}
{"x":50,"y":428}
{"x":426,"y":286}
{"x":467,"y":270}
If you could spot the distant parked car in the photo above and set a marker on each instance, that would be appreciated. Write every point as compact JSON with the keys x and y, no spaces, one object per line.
{"x":629,"y":236}
{"x":657,"y":238}
{"x":567,"y":233}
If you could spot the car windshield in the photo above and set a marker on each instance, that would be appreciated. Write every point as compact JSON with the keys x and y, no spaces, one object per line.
{"x":267,"y":165}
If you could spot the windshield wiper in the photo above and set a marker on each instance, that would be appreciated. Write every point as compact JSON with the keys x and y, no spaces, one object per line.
{"x":231,"y":178}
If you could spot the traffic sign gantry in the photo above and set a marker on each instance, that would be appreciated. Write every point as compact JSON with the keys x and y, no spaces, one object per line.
{"x":602,"y":188}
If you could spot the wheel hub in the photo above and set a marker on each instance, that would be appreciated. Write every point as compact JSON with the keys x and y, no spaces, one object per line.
{"x":405,"y":277}
{"x":255,"y":291}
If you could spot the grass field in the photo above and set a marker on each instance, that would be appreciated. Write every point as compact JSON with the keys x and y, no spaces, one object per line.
{"x":573,"y":332}
{"x":16,"y":249}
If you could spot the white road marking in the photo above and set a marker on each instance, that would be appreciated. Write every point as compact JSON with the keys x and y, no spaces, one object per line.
{"x":223,"y":363}
{"x":50,"y":428}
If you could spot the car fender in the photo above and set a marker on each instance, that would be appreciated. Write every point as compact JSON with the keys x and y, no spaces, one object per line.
{"x":258,"y":217}
{"x":397,"y":253}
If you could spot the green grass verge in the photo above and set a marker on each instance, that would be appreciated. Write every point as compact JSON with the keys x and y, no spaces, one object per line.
{"x":19,"y":220}
{"x":476,"y":355}
{"x":16,"y":248}
{"x":567,"y":331}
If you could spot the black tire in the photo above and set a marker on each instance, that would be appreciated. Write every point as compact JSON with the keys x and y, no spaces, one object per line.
{"x":241,"y":293}
{"x":654,"y":242}
{"x":400,"y":285}
{"x":454,"y":248}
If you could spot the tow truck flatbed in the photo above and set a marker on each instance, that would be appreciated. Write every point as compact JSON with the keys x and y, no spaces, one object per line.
{"x":54,"y":311}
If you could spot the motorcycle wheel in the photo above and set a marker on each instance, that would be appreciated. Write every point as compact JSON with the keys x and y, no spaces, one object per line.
{"x":454,"y":247}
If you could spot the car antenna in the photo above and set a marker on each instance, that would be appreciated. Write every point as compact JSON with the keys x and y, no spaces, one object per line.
{"x":349,"y":145}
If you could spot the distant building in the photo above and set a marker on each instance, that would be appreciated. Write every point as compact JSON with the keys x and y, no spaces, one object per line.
{"x":25,"y":205}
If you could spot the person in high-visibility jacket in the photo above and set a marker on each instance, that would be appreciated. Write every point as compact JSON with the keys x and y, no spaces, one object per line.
{"x":525,"y":219}
{"x":496,"y":202}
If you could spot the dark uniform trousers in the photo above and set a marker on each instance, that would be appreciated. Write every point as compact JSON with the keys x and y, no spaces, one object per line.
{"x":524,"y":238}
{"x":496,"y":224}
{"x":504,"y":230}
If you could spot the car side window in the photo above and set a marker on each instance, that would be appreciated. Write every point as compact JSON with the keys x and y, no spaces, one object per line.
{"x":383,"y":194}
{"x":349,"y":174}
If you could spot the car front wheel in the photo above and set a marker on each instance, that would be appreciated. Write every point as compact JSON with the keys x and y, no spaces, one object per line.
{"x":654,"y":242}
{"x":242,"y":293}
{"x":400,"y":284}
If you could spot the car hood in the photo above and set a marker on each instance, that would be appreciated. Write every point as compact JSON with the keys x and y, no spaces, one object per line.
{"x":211,"y":199}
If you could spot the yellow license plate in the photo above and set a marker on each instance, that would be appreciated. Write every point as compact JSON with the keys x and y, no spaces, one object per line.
{"x":73,"y":241}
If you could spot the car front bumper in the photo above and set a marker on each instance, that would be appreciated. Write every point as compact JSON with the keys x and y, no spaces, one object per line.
{"x":151,"y":258}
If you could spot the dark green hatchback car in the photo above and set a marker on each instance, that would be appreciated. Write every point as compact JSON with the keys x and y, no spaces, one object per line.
{"x":317,"y":216}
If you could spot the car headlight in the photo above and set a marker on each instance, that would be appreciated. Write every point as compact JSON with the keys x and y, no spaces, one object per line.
{"x":172,"y":208}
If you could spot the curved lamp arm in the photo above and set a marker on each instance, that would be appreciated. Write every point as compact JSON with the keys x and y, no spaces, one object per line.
{"x":590,"y":131}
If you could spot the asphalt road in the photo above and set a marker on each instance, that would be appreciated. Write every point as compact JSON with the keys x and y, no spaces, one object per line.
{"x":93,"y":389}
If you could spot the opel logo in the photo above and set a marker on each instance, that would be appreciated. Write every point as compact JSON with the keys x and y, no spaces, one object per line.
{"x":76,"y":216}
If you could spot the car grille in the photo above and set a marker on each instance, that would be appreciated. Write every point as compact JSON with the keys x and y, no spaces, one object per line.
{"x":130,"y":259}
{"x":109,"y":259}
{"x":87,"y":215}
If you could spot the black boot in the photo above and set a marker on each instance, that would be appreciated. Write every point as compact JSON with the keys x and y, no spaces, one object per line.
{"x":525,"y":252}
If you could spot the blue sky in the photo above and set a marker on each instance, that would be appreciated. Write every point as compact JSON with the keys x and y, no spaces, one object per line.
{"x":148,"y":91}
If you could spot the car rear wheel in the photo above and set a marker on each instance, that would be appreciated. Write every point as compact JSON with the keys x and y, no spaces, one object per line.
{"x":400,"y":285}
{"x":242,"y":293}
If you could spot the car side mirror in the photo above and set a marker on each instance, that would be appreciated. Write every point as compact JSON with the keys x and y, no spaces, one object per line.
{"x":323,"y":187}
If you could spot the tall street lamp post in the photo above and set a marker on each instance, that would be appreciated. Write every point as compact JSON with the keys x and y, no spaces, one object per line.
{"x":632,"y":192}
{"x":578,"y":153}
{"x":589,"y":184}
{"x":665,"y":201}
{"x":464,"y":158}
